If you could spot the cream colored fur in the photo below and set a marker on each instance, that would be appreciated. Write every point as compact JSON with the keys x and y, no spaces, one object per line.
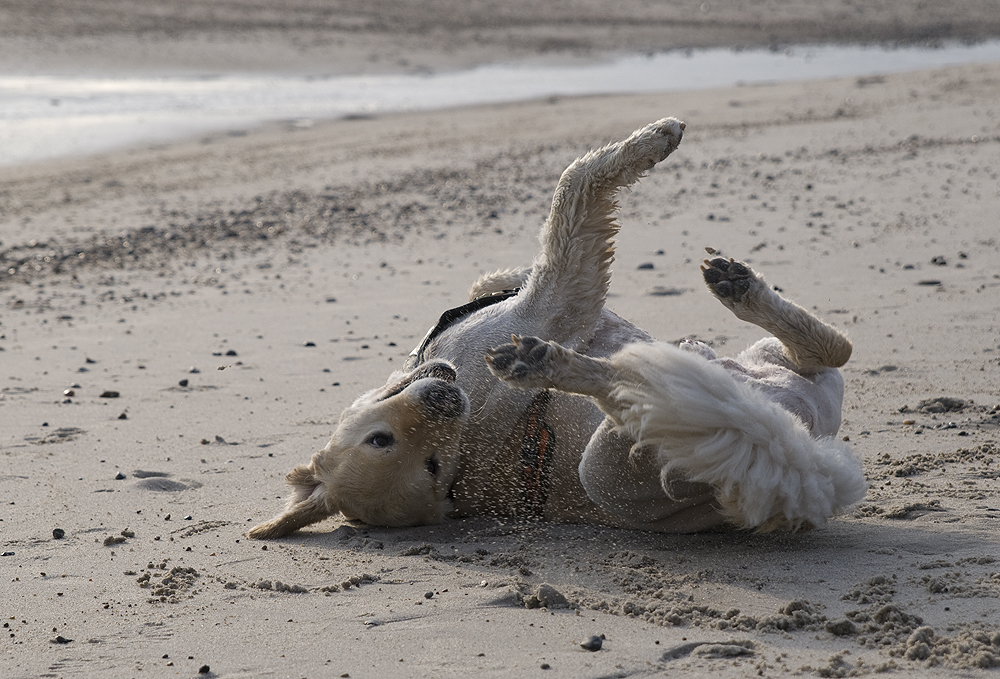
{"x":586,"y":419}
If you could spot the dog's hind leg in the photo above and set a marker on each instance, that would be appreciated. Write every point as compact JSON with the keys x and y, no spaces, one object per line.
{"x":564,"y":296}
{"x":700,"y":425}
{"x":810,"y":343}
{"x":619,"y":475}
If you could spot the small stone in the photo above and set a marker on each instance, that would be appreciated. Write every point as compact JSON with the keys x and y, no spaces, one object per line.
{"x":308,"y":344}
{"x":545,"y":666}
{"x":231,"y":352}
{"x":549,"y":597}
{"x":61,"y":640}
{"x":594,"y":643}
{"x":7,"y":554}
{"x":110,"y":394}
{"x":69,"y":392}
{"x":188,"y":517}
{"x":204,"y":669}
{"x":119,"y":476}
{"x":58,"y":533}
{"x":123,"y":416}
{"x":428,"y":595}
{"x":645,"y":266}
{"x":194,"y":371}
{"x":183,"y":383}
{"x":841,"y":628}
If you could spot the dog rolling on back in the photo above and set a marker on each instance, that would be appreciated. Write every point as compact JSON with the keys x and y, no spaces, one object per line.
{"x":577,"y":415}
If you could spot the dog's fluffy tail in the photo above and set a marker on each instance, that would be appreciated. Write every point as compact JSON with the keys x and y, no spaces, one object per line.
{"x":768,"y":471}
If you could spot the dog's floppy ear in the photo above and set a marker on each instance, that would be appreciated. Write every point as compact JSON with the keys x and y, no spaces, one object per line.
{"x":310,"y":502}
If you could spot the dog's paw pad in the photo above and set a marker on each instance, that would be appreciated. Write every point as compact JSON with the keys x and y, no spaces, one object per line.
{"x":522,"y":360}
{"x":728,"y":279}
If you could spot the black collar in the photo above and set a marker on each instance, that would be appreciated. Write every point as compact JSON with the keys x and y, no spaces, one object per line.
{"x":452,"y":316}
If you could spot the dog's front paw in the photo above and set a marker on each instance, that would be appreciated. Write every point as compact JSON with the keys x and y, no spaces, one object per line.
{"x":730,"y":281}
{"x":523,"y":363}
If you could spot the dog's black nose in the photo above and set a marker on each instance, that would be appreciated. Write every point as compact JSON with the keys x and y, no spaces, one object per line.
{"x":443,"y":400}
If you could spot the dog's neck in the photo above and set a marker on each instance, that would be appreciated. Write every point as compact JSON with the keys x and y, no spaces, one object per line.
{"x":452,"y":316}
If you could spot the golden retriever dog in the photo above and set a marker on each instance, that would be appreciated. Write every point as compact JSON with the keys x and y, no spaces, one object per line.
{"x":535,"y":401}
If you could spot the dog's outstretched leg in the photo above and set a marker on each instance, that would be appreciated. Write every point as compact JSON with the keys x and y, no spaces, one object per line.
{"x":570,"y":277}
{"x":530,"y":363}
{"x":810,"y":343}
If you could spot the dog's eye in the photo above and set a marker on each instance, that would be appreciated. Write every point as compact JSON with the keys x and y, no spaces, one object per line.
{"x":380,"y":440}
{"x":432,"y":466}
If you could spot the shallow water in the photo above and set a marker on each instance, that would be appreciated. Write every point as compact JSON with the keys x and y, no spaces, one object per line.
{"x":48,"y":116}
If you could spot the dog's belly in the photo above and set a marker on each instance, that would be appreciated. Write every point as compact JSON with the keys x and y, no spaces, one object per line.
{"x":521,"y":449}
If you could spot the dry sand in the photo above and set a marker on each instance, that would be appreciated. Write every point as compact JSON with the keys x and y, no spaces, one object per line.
{"x":235,"y":292}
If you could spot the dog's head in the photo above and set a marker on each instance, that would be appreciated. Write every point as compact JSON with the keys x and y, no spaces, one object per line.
{"x":390,"y":462}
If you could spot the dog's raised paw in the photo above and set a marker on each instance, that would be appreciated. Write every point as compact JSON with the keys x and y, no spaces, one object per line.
{"x":523,"y":362}
{"x":728,"y":279}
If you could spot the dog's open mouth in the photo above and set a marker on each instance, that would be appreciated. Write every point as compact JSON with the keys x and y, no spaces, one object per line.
{"x":438,"y":370}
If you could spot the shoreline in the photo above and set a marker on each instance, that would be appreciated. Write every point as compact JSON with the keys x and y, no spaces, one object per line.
{"x":76,"y":116}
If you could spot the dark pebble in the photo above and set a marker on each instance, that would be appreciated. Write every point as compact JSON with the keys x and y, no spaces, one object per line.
{"x":204,"y":669}
{"x":58,"y":533}
{"x":110,"y":394}
{"x":592,"y":644}
{"x":546,"y":666}
{"x":61,"y":640}
{"x":188,"y":517}
{"x":183,"y":383}
{"x":119,"y":476}
{"x":645,"y":266}
{"x":194,"y":371}
{"x":123,"y":416}
{"x":7,"y":554}
{"x":308,"y":344}
{"x":231,"y":352}
{"x":428,"y":595}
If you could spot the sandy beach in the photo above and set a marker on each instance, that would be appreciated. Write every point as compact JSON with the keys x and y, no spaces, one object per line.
{"x":181,"y":324}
